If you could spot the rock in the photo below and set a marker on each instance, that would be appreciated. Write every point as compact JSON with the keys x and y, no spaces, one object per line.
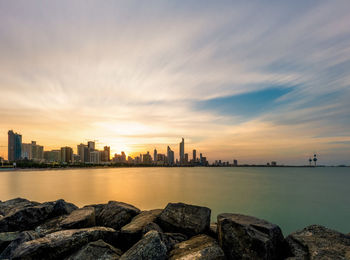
{"x":7,"y":206}
{"x":22,"y":237}
{"x":6,"y":238}
{"x":61,"y":244}
{"x":151,"y":226}
{"x":98,"y":250}
{"x":80,"y":218}
{"x":171,"y":239}
{"x":61,"y":207}
{"x":198,"y":247}
{"x":213,"y":230}
{"x":132,"y":232}
{"x":149,"y":247}
{"x":318,"y":242}
{"x":50,"y":226}
{"x":188,"y":219}
{"x":246,"y":237}
{"x":114,"y":214}
{"x":31,"y":214}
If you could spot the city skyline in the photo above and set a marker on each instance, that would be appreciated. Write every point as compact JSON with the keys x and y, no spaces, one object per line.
{"x":134,"y":76}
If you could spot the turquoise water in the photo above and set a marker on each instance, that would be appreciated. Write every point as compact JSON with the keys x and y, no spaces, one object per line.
{"x":290,"y":197}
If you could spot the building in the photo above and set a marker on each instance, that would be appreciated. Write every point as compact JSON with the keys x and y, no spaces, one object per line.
{"x":95,"y":157}
{"x":106,"y":154}
{"x":194,"y":155}
{"x":66,"y":154}
{"x":14,"y":146}
{"x":155,"y":158}
{"x":186,"y":158}
{"x":182,"y":151}
{"x":83,"y":152}
{"x":52,"y":156}
{"x":32,"y":151}
{"x":91,"y":145}
{"x":170,"y":155}
{"x":161,"y":159}
{"x":147,"y":158}
{"x":235,"y":162}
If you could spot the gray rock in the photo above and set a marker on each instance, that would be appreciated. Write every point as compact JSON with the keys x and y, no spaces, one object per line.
{"x":98,"y":250}
{"x":7,"y":206}
{"x":188,"y":219}
{"x":28,"y":215}
{"x":149,"y":247}
{"x":61,"y":244}
{"x":318,"y":242}
{"x":171,"y":239}
{"x":114,"y":214}
{"x":6,"y":238}
{"x":132,"y":232}
{"x":198,"y":247}
{"x":80,"y":218}
{"x":22,"y":237}
{"x":151,"y":226}
{"x":50,"y":226}
{"x":245,"y":237}
{"x":61,"y":207}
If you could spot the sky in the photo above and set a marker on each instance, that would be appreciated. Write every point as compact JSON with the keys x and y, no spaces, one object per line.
{"x":255,"y":81}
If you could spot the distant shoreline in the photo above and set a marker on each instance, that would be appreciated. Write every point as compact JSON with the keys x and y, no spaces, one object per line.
{"x":11,"y":169}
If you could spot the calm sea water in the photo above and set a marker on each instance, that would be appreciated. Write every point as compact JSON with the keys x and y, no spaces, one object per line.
{"x":290,"y":197}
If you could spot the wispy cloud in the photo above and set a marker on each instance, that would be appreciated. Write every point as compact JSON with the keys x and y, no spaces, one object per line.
{"x":143,"y":73}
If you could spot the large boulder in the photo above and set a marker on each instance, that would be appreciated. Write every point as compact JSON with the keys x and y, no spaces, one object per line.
{"x":97,"y":250}
{"x":114,"y":214}
{"x":7,"y":206}
{"x":150,"y":246}
{"x":28,"y":215}
{"x":171,"y":239}
{"x":213,"y":230}
{"x":246,"y":237}
{"x":6,"y":238}
{"x":151,"y":226}
{"x":61,"y":244}
{"x":188,"y":219}
{"x":80,"y":218}
{"x":318,"y":242}
{"x":201,"y":247}
{"x":132,"y":232}
{"x":22,"y":237}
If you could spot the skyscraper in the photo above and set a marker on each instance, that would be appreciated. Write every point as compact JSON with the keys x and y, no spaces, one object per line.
{"x":106,"y":153}
{"x":155,"y":155}
{"x":170,"y":155}
{"x":91,"y":145}
{"x":14,"y":146}
{"x":66,"y":154}
{"x":182,"y":151}
{"x":194,"y":155}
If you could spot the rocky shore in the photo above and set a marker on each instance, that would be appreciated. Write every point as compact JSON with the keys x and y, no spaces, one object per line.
{"x":116,"y":230}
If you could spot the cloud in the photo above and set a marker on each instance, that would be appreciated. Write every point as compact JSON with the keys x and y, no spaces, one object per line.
{"x":93,"y":69}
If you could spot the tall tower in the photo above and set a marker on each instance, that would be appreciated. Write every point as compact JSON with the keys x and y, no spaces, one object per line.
{"x":14,"y":146}
{"x":155,"y":155}
{"x":194,"y":155}
{"x":182,"y":151}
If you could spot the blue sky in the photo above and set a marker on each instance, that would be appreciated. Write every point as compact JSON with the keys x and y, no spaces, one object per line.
{"x":257,"y":81}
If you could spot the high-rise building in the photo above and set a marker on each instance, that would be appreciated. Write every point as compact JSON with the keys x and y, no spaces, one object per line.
{"x":95,"y":157}
{"x":194,"y":157}
{"x":182,"y":151}
{"x":66,"y":154}
{"x":52,"y":156}
{"x":82,"y":150}
{"x":235,"y":162}
{"x":32,"y":151}
{"x":14,"y":146}
{"x":147,"y":158}
{"x":186,"y":158}
{"x":170,"y":155}
{"x":105,"y":154}
{"x":91,"y":145}
{"x":155,"y":155}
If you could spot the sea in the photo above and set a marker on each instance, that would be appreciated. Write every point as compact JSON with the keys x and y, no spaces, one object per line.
{"x":291,"y":197}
